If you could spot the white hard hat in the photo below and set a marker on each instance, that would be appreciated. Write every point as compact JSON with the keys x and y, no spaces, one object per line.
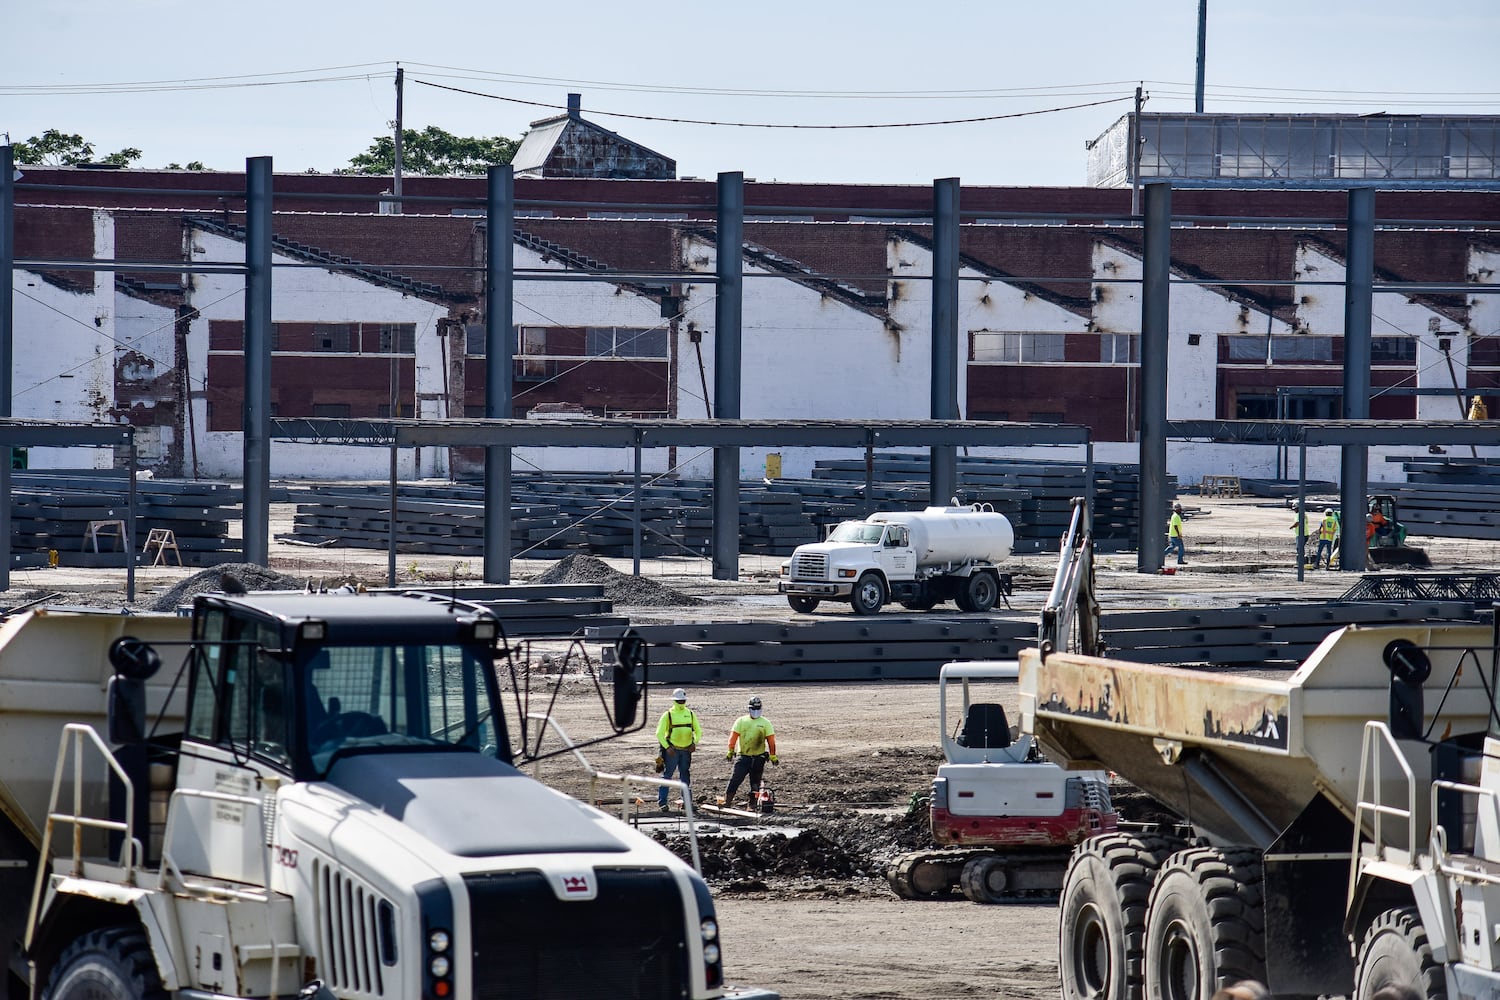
{"x":679,"y":695}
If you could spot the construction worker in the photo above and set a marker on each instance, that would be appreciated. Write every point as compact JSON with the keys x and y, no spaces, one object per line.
{"x":678,"y":733}
{"x":1328,"y":537}
{"x":1174,"y":535}
{"x":1477,"y":409}
{"x":755,"y":738}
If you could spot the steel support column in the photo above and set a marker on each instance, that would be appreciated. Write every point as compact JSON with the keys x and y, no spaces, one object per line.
{"x":499,"y":351}
{"x":1359,"y":295}
{"x":1155,"y":293}
{"x":728,"y":315}
{"x":257,"y":413}
{"x":943,"y":477}
{"x":7,"y":339}
{"x":1302,"y":512}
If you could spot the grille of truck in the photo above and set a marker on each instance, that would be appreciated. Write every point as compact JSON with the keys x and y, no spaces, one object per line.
{"x":530,"y":945}
{"x":356,"y":959}
{"x":810,"y":565}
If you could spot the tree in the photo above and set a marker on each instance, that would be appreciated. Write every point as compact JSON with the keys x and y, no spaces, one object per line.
{"x":434,"y":152}
{"x":53,"y":148}
{"x":192,"y":165}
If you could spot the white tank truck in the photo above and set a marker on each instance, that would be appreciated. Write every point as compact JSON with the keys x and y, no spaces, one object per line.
{"x":916,"y":558}
{"x":1340,"y":825}
{"x":325,"y":798}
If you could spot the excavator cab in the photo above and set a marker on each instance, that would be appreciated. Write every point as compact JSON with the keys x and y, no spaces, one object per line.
{"x":1386,"y":535}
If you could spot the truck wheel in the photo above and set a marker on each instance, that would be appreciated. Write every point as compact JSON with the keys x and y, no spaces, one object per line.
{"x":984,"y":879}
{"x":925,"y":604}
{"x":115,"y":962}
{"x":1103,"y":915}
{"x":1396,"y":952}
{"x":802,"y":605}
{"x":868,"y":594}
{"x":979,"y":593}
{"x":1204,"y":927}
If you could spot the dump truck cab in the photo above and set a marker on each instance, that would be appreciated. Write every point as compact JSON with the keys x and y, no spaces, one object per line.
{"x":343,"y":804}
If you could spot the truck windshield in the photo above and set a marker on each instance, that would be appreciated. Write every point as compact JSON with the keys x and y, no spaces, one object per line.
{"x":857,"y":531}
{"x":398,"y":697}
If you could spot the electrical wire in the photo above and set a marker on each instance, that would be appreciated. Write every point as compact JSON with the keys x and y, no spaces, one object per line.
{"x":775,"y":125}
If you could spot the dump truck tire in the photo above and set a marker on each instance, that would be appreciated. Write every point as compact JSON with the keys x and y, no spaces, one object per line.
{"x":1395,"y":951}
{"x":115,"y":962}
{"x":802,"y":605}
{"x":1205,"y":926}
{"x":1102,"y":920}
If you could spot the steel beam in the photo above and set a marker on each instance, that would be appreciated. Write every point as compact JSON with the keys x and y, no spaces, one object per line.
{"x":1155,"y":315}
{"x":7,"y":339}
{"x":1359,"y":298}
{"x":943,"y":480}
{"x":257,"y":410}
{"x":499,"y":349}
{"x":728,"y":358}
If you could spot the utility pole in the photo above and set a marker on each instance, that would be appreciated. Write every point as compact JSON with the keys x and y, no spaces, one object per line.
{"x":1134,"y":164}
{"x":1202,"y":53}
{"x":396,"y":187}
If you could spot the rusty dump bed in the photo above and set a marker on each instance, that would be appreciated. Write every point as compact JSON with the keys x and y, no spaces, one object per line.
{"x":54,"y":669}
{"x":1277,"y":741}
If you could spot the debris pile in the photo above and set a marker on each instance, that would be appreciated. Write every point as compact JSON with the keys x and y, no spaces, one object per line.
{"x":621,"y":588}
{"x":227,"y":577}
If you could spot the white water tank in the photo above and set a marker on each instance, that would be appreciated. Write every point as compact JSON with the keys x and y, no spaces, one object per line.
{"x":954,"y":534}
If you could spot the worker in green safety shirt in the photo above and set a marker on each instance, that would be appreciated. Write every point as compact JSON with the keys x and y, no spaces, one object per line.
{"x":755,"y":739}
{"x":678,"y":733}
{"x":1174,"y":535}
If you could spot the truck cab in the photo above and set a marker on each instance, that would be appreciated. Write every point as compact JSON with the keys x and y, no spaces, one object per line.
{"x":343,"y":804}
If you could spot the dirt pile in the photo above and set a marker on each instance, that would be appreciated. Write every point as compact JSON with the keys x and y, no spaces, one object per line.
{"x":621,"y":588}
{"x":229,"y":576}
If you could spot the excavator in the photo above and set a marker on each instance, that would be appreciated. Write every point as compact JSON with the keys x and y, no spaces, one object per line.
{"x":1387,"y":545}
{"x":1005,"y":819}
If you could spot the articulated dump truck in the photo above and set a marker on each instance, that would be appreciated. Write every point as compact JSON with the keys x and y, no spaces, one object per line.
{"x":1340,"y":826}
{"x":323,"y":801}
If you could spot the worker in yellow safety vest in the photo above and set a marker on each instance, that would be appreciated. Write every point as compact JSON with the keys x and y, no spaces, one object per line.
{"x":1328,"y":537}
{"x":678,"y":734}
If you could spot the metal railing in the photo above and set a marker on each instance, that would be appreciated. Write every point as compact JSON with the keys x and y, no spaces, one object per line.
{"x":1372,"y":808}
{"x":626,"y":783}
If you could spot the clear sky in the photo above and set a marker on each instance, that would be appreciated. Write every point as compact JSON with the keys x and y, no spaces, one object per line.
{"x":310,"y":83}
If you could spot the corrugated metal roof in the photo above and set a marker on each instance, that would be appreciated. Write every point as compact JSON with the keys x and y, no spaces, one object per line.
{"x":537,"y":146}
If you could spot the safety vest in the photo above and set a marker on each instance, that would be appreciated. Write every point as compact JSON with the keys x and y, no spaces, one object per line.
{"x":1329,"y":529}
{"x":678,"y":727}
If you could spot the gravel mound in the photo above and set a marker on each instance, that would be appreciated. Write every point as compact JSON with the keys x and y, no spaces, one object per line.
{"x":247,"y":575}
{"x":621,"y":588}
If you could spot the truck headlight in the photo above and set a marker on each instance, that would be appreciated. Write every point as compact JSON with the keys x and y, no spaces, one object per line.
{"x":710,"y":930}
{"x":439,"y":966}
{"x":846,"y":574}
{"x":785,"y":568}
{"x":711,"y":954}
{"x":438,"y":941}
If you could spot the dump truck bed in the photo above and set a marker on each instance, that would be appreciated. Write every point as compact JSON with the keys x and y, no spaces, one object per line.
{"x":1277,"y":741}
{"x":54,"y":669}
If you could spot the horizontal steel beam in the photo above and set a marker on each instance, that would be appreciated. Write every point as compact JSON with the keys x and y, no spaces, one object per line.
{"x":1337,"y":432}
{"x":677,"y":433}
{"x":41,"y":434}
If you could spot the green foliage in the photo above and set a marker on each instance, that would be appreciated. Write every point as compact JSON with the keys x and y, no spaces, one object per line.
{"x":433,"y":152}
{"x":53,"y":148}
{"x":192,"y":165}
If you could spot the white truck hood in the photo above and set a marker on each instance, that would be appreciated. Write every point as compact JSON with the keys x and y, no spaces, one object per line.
{"x":472,"y":806}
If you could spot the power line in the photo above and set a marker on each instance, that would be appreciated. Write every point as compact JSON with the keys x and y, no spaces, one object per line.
{"x":776,"y":125}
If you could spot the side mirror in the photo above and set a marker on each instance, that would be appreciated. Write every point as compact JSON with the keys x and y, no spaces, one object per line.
{"x":630,"y":656}
{"x":1410,"y":668}
{"x":134,"y":658}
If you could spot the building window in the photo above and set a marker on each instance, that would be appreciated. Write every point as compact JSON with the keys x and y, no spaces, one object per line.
{"x":1044,"y":417}
{"x":334,"y":338}
{"x":1016,"y":348}
{"x":1264,"y":350}
{"x":533,"y":343}
{"x":989,"y":414}
{"x":392,"y":338}
{"x":474,"y":345}
{"x":1392,"y":350}
{"x":1120,"y":348}
{"x":335,"y":411}
{"x":384,"y":410}
{"x":626,"y":342}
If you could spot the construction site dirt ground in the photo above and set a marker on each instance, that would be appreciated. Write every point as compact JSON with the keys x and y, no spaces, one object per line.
{"x":807,"y":911}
